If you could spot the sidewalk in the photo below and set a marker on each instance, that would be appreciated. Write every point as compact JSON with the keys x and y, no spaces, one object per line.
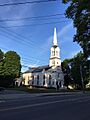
{"x":13,"y":94}
{"x":20,"y":95}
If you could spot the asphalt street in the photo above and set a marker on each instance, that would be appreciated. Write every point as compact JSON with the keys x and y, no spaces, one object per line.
{"x":47,"y":107}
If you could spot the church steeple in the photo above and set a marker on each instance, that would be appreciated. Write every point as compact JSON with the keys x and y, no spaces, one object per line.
{"x":55,"y":52}
{"x":55,"y":38}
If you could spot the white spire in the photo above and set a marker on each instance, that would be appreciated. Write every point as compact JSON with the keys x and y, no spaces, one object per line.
{"x":55,"y":38}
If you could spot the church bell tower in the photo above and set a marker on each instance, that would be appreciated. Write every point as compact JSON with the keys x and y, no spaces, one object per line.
{"x":55,"y":52}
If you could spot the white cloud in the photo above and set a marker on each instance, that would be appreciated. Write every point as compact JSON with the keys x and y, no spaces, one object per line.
{"x":35,"y":64}
{"x":15,"y":12}
{"x":65,"y":29}
{"x":73,"y":53}
{"x":60,"y":34}
{"x":46,"y":46}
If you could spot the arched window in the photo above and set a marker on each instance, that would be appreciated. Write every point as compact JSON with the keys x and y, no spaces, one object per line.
{"x":57,"y":53}
{"x":54,"y":52}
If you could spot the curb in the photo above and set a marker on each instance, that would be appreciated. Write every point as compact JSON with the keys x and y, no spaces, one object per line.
{"x":10,"y":97}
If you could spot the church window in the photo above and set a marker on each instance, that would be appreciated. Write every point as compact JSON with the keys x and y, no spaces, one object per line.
{"x":37,"y":82}
{"x":50,"y":77}
{"x":54,"y":53}
{"x":53,"y":83}
{"x":57,"y":53}
{"x":60,"y":83}
{"x":49,"y":82}
{"x":56,"y":82}
{"x":37,"y":79}
{"x":43,"y":77}
{"x":32,"y":77}
{"x":32,"y":82}
{"x":43,"y":82}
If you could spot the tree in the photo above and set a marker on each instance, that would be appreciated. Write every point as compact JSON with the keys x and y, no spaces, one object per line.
{"x":79,"y":12}
{"x":11,"y":68}
{"x":1,"y":55}
{"x":80,"y":69}
{"x":1,"y":65}
{"x":72,"y":70}
{"x":65,"y":65}
{"x":67,"y":72}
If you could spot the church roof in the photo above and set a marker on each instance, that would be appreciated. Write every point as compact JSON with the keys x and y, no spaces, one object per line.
{"x":38,"y":69}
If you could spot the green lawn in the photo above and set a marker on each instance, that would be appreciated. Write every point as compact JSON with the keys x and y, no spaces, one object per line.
{"x":40,"y":90}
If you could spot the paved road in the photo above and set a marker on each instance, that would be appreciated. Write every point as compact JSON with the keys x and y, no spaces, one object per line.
{"x":55,"y":107}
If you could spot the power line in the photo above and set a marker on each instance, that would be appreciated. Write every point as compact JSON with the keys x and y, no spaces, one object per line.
{"x":15,"y":38}
{"x":27,"y":2}
{"x":58,"y":22}
{"x":34,"y":17}
{"x":31,"y":59}
{"x":20,"y":39}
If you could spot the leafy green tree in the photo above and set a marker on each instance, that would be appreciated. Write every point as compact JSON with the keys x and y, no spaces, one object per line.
{"x":79,"y":12}
{"x":80,"y":66}
{"x":12,"y":64}
{"x":72,"y":69}
{"x":11,"y":68}
{"x":66,"y":70}
{"x":1,"y":55}
{"x":65,"y":65}
{"x":1,"y":62}
{"x":75,"y":69}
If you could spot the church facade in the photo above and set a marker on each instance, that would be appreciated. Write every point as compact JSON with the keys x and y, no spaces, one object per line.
{"x":46,"y":76}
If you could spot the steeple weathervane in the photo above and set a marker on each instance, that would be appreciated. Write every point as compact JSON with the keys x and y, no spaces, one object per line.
{"x":55,"y":38}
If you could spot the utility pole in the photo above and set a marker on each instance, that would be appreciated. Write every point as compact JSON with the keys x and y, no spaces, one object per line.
{"x":82,"y":78}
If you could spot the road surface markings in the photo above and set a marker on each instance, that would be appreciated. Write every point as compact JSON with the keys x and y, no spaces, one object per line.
{"x":47,"y":103}
{"x":2,"y":101}
{"x":41,"y":97}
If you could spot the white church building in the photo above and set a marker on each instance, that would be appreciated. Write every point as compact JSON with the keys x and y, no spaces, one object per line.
{"x":46,"y":76}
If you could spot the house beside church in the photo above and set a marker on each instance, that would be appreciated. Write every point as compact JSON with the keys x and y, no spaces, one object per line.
{"x":46,"y":76}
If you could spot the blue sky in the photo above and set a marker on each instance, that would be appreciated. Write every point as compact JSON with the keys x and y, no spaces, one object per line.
{"x":33,"y":42}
